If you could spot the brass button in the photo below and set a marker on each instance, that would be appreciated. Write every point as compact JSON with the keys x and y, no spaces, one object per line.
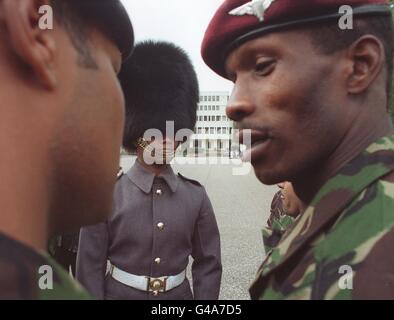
{"x":155,"y":293}
{"x":159,"y":192}
{"x":156,"y":285}
{"x":160,"y":225}
{"x":157,"y":260}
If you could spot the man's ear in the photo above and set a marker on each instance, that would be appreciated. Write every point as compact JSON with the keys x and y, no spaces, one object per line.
{"x":35,"y":47}
{"x":367,"y":55}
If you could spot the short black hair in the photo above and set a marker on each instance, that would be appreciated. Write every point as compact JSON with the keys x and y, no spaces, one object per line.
{"x":328,"y":38}
{"x":78,"y":17}
{"x":68,"y":14}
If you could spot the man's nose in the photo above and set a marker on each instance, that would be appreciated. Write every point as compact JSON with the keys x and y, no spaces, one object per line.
{"x":239,"y":106}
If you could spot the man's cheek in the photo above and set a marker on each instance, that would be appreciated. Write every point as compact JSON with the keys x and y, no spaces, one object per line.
{"x":115,"y":106}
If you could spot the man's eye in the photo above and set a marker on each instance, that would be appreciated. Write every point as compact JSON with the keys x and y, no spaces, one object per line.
{"x":264,"y":68}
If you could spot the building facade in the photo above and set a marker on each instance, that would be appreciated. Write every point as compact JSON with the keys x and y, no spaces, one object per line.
{"x":214,"y":130}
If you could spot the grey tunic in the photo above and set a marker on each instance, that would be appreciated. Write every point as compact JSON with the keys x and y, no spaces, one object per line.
{"x":132,"y":240}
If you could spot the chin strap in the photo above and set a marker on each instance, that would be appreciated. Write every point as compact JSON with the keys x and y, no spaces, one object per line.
{"x":165,"y":155}
{"x":141,"y":142}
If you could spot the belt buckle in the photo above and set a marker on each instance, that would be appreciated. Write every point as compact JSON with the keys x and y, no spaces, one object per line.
{"x":157,"y":284}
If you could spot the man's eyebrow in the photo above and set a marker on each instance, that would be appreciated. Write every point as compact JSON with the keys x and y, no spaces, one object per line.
{"x":230,"y":75}
{"x":239,"y":59}
{"x":233,"y":61}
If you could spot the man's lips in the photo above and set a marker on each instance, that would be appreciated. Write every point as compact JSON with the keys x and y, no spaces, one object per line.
{"x":250,"y":137}
{"x":256,"y":142}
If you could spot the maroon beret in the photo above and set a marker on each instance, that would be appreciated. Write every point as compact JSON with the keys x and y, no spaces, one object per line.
{"x":238,"y":21}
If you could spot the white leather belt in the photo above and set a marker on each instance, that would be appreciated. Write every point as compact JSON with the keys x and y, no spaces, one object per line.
{"x":144,"y":283}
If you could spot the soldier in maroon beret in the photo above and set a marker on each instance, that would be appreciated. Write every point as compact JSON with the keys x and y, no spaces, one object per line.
{"x":312,"y":83}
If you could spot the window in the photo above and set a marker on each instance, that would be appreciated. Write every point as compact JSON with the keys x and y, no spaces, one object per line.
{"x":212,"y":130}
{"x":205,"y":108}
{"x":224,"y":130}
{"x":205,"y":118}
{"x":219,"y":130}
{"x":209,"y":98}
{"x":217,"y":118}
{"x":206,"y":130}
{"x":217,"y":98}
{"x":209,"y":108}
{"x":224,"y":118}
{"x":199,"y":130}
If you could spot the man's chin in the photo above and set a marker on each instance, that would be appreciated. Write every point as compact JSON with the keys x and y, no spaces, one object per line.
{"x":267,"y":176}
{"x":70,"y":221}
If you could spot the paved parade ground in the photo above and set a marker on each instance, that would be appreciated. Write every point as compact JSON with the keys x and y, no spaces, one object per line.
{"x":241,"y":206}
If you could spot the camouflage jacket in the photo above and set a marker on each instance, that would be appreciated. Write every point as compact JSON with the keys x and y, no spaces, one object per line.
{"x":277,"y":223}
{"x":341,"y":246}
{"x":28,"y":275}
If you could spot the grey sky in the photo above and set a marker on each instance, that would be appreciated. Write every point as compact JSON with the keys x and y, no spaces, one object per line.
{"x":182,"y":22}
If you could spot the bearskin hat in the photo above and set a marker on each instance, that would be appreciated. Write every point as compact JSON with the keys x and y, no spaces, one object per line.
{"x":159,"y":84}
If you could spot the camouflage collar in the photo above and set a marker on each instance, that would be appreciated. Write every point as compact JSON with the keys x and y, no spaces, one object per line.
{"x":375,"y":162}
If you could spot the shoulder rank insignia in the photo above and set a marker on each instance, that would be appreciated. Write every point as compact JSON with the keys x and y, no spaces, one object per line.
{"x":195,"y":182}
{"x":255,"y":8}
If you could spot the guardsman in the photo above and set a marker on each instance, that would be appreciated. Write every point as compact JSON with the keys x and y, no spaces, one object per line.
{"x":159,"y":218}
{"x":312,"y":83}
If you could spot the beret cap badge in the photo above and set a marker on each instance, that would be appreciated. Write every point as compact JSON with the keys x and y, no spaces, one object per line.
{"x":255,"y":8}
